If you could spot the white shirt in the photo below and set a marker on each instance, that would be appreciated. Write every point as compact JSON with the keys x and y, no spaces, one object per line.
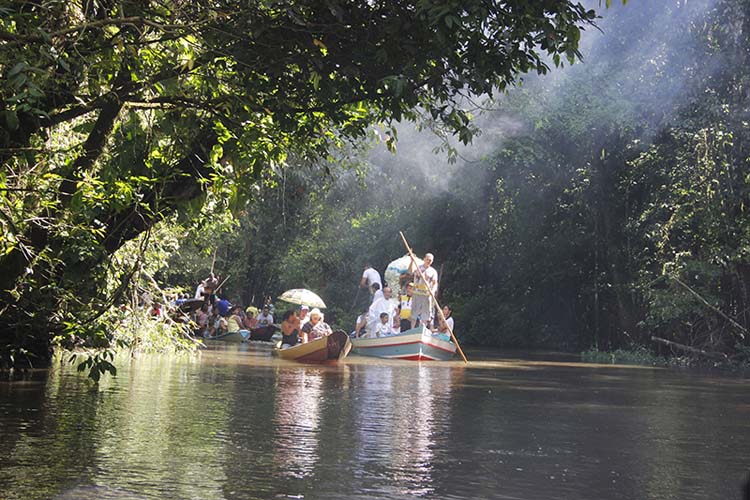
{"x":372,"y":276}
{"x":373,"y":314}
{"x":265,"y":319}
{"x":431,"y":281}
{"x":377,"y":295}
{"x":383,"y":330}
{"x":199,"y":291}
{"x":363,"y":330}
{"x":449,"y":322}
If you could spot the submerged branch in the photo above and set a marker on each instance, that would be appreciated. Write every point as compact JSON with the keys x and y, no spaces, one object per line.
{"x":693,"y":350}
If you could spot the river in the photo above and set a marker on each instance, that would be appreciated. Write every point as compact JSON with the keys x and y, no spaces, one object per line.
{"x":236,"y":423}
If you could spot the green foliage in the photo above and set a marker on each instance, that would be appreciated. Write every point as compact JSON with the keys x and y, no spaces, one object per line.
{"x":636,"y":356}
{"x":96,"y":362}
{"x":116,"y":117}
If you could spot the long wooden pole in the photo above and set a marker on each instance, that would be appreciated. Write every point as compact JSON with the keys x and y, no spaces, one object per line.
{"x":222,"y":283}
{"x":440,"y":309}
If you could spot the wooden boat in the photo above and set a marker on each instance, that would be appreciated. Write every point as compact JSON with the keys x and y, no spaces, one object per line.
{"x":331,"y":348}
{"x":240,"y":336}
{"x":262,"y":333}
{"x":417,"y":344}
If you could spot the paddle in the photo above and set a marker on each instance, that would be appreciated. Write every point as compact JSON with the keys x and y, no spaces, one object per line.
{"x":440,"y":309}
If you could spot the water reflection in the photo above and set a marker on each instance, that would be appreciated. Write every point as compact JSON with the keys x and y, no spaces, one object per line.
{"x":297,"y":421}
{"x":235,"y":425}
{"x":402,"y":413}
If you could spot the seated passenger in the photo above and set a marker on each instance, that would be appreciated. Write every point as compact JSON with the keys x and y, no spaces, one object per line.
{"x":384,"y":327}
{"x":250,"y":322}
{"x":303,"y":315}
{"x":265,"y":317}
{"x":234,"y":321}
{"x":360,"y":327}
{"x":289,"y":330}
{"x":201,"y":319}
{"x":443,"y":326}
{"x":316,"y":327}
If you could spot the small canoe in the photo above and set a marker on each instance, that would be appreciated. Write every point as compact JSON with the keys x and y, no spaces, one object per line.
{"x":190,"y":305}
{"x":240,"y":336}
{"x":331,"y":348}
{"x":417,"y":344}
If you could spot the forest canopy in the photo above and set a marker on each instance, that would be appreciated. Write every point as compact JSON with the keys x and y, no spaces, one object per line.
{"x":117,"y":115}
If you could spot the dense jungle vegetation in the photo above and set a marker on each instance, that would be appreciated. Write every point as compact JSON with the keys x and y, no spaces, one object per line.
{"x":598,"y":205}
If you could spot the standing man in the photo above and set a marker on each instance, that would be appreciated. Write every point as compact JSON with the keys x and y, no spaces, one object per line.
{"x":370,"y":276}
{"x":422,"y":307}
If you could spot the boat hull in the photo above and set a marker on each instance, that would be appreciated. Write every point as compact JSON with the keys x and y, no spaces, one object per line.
{"x":331,"y":348}
{"x":417,"y":344}
{"x":263,"y":333}
{"x":236,"y":337}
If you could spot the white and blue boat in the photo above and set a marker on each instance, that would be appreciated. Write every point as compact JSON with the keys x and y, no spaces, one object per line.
{"x":417,"y":344}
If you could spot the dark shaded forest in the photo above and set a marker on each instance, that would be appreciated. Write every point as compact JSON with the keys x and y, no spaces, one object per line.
{"x":604,"y":203}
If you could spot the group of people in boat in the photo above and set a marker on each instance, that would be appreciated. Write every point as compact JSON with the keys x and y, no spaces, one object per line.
{"x":414,"y":306}
{"x":302,"y":326}
{"x":217,"y":316}
{"x":382,"y":316}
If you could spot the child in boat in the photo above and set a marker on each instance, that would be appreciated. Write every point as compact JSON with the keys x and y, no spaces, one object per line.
{"x":384,"y":328}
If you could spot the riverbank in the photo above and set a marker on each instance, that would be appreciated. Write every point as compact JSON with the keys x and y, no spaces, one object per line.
{"x":642,"y":356}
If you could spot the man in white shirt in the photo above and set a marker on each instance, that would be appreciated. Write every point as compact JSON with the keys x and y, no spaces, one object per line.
{"x":422,"y":308}
{"x":370,"y":276}
{"x":265,"y":318}
{"x":382,"y":305}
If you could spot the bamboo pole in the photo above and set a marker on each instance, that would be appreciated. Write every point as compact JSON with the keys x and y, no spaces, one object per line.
{"x":222,"y":283}
{"x":440,"y":309}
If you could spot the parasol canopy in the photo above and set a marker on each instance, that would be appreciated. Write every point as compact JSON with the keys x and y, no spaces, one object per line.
{"x":302,"y":297}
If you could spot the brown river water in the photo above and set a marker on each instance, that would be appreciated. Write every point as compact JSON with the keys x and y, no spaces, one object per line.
{"x":233,"y":422}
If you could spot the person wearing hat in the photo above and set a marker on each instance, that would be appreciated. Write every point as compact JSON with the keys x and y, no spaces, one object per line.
{"x":316,"y":327}
{"x":304,"y":318}
{"x":250,"y":321}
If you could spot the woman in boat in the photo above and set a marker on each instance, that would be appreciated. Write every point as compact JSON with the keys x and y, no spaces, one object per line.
{"x":444,"y":325}
{"x":251,"y":321}
{"x":289,"y":329}
{"x":316,"y":327}
{"x":234,"y":321}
